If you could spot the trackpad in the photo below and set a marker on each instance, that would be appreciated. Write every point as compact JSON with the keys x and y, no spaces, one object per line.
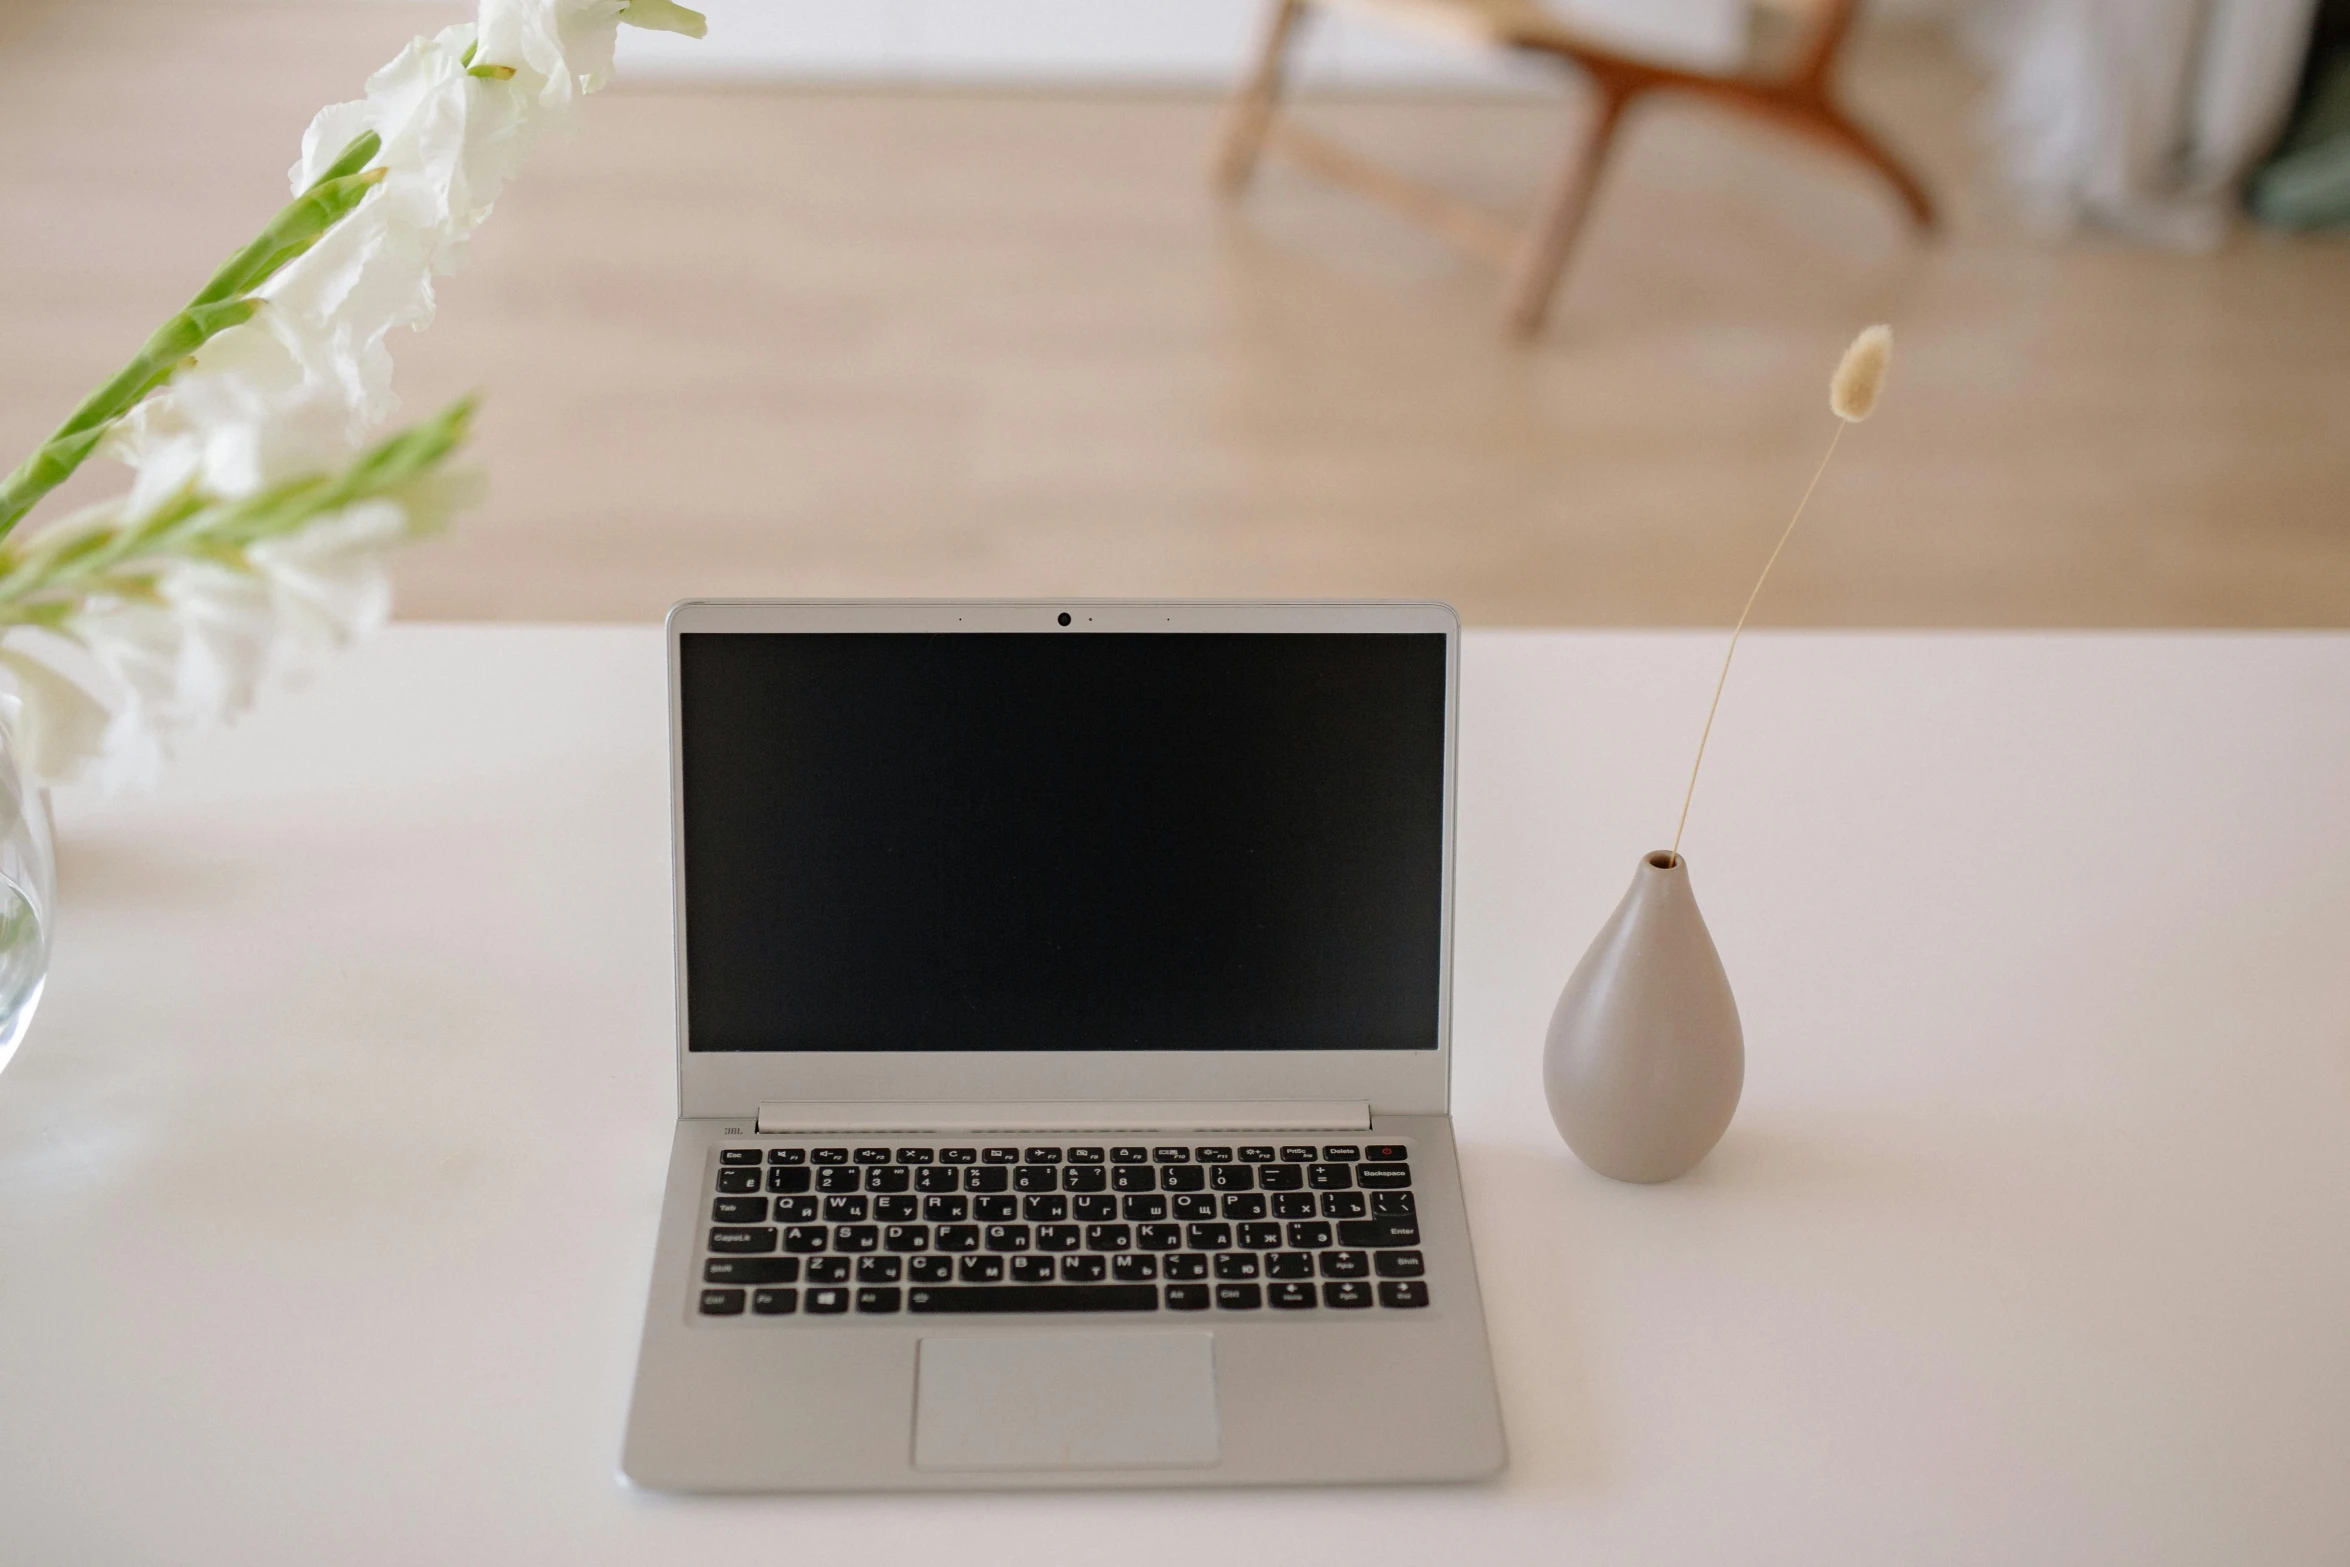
{"x":1066,"y":1401}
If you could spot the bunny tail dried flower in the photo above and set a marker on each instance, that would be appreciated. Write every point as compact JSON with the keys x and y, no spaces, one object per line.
{"x":1852,"y":393}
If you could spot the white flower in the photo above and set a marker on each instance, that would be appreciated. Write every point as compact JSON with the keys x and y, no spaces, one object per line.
{"x":55,"y":724}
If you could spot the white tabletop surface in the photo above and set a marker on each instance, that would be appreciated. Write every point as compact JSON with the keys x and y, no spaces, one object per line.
{"x":329,"y":1171}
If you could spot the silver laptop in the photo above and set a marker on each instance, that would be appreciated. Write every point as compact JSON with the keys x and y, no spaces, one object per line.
{"x":1063,"y":997}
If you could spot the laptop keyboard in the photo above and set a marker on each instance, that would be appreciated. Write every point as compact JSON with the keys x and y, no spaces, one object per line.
{"x":950,"y":1230}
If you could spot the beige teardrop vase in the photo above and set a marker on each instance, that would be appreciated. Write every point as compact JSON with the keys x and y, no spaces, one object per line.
{"x":1646,"y":1059}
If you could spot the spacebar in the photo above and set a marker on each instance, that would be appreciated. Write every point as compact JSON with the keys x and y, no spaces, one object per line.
{"x":1037,"y":1297}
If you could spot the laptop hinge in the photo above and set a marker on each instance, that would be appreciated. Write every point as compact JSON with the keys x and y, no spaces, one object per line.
{"x":1074,"y":1115}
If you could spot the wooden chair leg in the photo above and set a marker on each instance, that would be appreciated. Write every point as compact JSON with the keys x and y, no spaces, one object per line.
{"x":1851,"y":138}
{"x":1543,"y":256}
{"x":1252,"y":107}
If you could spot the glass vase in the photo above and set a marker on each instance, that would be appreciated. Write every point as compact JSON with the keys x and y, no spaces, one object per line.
{"x":28,"y":893}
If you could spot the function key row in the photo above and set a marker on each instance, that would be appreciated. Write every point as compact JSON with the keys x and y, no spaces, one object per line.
{"x":1254,"y":1153}
{"x":1277,"y":1177}
{"x":888,"y":1300}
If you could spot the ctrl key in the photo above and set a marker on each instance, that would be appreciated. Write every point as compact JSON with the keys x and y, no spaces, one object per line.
{"x":722,"y":1303}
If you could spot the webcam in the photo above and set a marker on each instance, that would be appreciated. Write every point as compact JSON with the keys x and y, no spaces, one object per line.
{"x":1064,"y":617}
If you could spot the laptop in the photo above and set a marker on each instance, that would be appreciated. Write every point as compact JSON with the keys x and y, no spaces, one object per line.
{"x":1063,"y":995}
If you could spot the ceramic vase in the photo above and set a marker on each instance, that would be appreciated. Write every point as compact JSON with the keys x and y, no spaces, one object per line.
{"x":1645,"y":1058}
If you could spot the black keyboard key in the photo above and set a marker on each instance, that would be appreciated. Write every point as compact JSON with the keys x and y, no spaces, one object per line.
{"x":889,"y":1178}
{"x":1291,"y":1296}
{"x":1257,"y":1153}
{"x":946,"y":1210}
{"x":1085,"y":1156}
{"x":745,"y":1240}
{"x":795,"y":1210}
{"x":739,"y":1156}
{"x":1130,"y":1155}
{"x":1346,"y":1264}
{"x":839,"y":1178}
{"x":938,"y":1178}
{"x":1244,"y":1205}
{"x":1212,"y":1155}
{"x":931,"y":1270}
{"x":751,"y":1270}
{"x":1240,"y":1297}
{"x":775,"y":1303}
{"x":1383,"y":1177}
{"x":722,"y":1303}
{"x":1094,"y":1209}
{"x":880,"y":1300}
{"x":1134,"y":1268}
{"x":828,"y":1302}
{"x":1342,"y":1153}
{"x":1208,"y":1237}
{"x":1159,"y":1237}
{"x":896,"y":1210}
{"x":1133,"y":1178}
{"x":787,"y":1156}
{"x":1393,"y":1202}
{"x":1143,"y":1208}
{"x":1258,"y":1237}
{"x":1187,"y":1297}
{"x":1309,"y":1234}
{"x":1289,"y":1265}
{"x":1293,"y":1205}
{"x":1300,"y":1153}
{"x":1344,"y":1205}
{"x":1346,"y":1295}
{"x":1085,"y":1178}
{"x":871,"y":1156}
{"x":1236,"y":1265}
{"x":1183,"y":1178}
{"x":789,"y":1178}
{"x":1037,"y":1178}
{"x":1040,"y":1155}
{"x":995,"y":1210}
{"x":1000,"y":1156}
{"x":1381,"y":1230}
{"x":955,"y":1237}
{"x":985,"y":1178}
{"x":1232,"y":1177}
{"x":1171,"y":1156}
{"x":1108,"y":1237}
{"x":1032,"y":1270}
{"x":738,"y":1182}
{"x":847,"y":1210}
{"x":1398,"y":1264}
{"x":1005,"y":1237}
{"x":906,"y":1237}
{"x":1059,"y":1237}
{"x":880,"y":1270}
{"x":1087,"y":1269}
{"x":1184,"y":1265}
{"x":739,"y":1210}
{"x":855,"y":1237}
{"x":914,"y":1156}
{"x":1050,"y":1209}
{"x":1385,"y":1153}
{"x":828,"y":1270}
{"x":980,"y":1270}
{"x":1403,"y":1294}
{"x":1330,"y":1177}
{"x":1281,"y":1177}
{"x":1035,"y":1298}
{"x":828,"y":1156}
{"x":958,"y":1156}
{"x":805,"y":1237}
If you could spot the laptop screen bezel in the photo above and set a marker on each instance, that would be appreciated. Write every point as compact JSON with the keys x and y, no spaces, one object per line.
{"x":737,"y":1083}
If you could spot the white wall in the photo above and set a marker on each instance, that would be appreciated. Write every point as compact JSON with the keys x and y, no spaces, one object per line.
{"x":1198,"y":43}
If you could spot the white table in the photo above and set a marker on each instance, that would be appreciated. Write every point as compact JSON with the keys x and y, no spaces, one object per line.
{"x":328,"y":1174}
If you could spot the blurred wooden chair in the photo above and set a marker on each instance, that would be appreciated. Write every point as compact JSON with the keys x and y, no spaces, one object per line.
{"x":1793,"y":90}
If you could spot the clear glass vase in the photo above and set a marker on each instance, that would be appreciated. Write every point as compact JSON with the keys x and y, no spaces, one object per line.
{"x":28,"y":892}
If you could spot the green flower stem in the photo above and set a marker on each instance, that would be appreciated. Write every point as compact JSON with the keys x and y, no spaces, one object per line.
{"x":221,"y":304}
{"x":58,"y":570}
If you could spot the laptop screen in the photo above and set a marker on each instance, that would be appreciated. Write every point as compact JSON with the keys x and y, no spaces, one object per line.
{"x":1087,"y":841}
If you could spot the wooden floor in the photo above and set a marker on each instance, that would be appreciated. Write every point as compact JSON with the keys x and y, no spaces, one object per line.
{"x":745,"y":340}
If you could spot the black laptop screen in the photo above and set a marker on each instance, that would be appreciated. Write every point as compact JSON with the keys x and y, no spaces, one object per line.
{"x":1081,"y":841}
